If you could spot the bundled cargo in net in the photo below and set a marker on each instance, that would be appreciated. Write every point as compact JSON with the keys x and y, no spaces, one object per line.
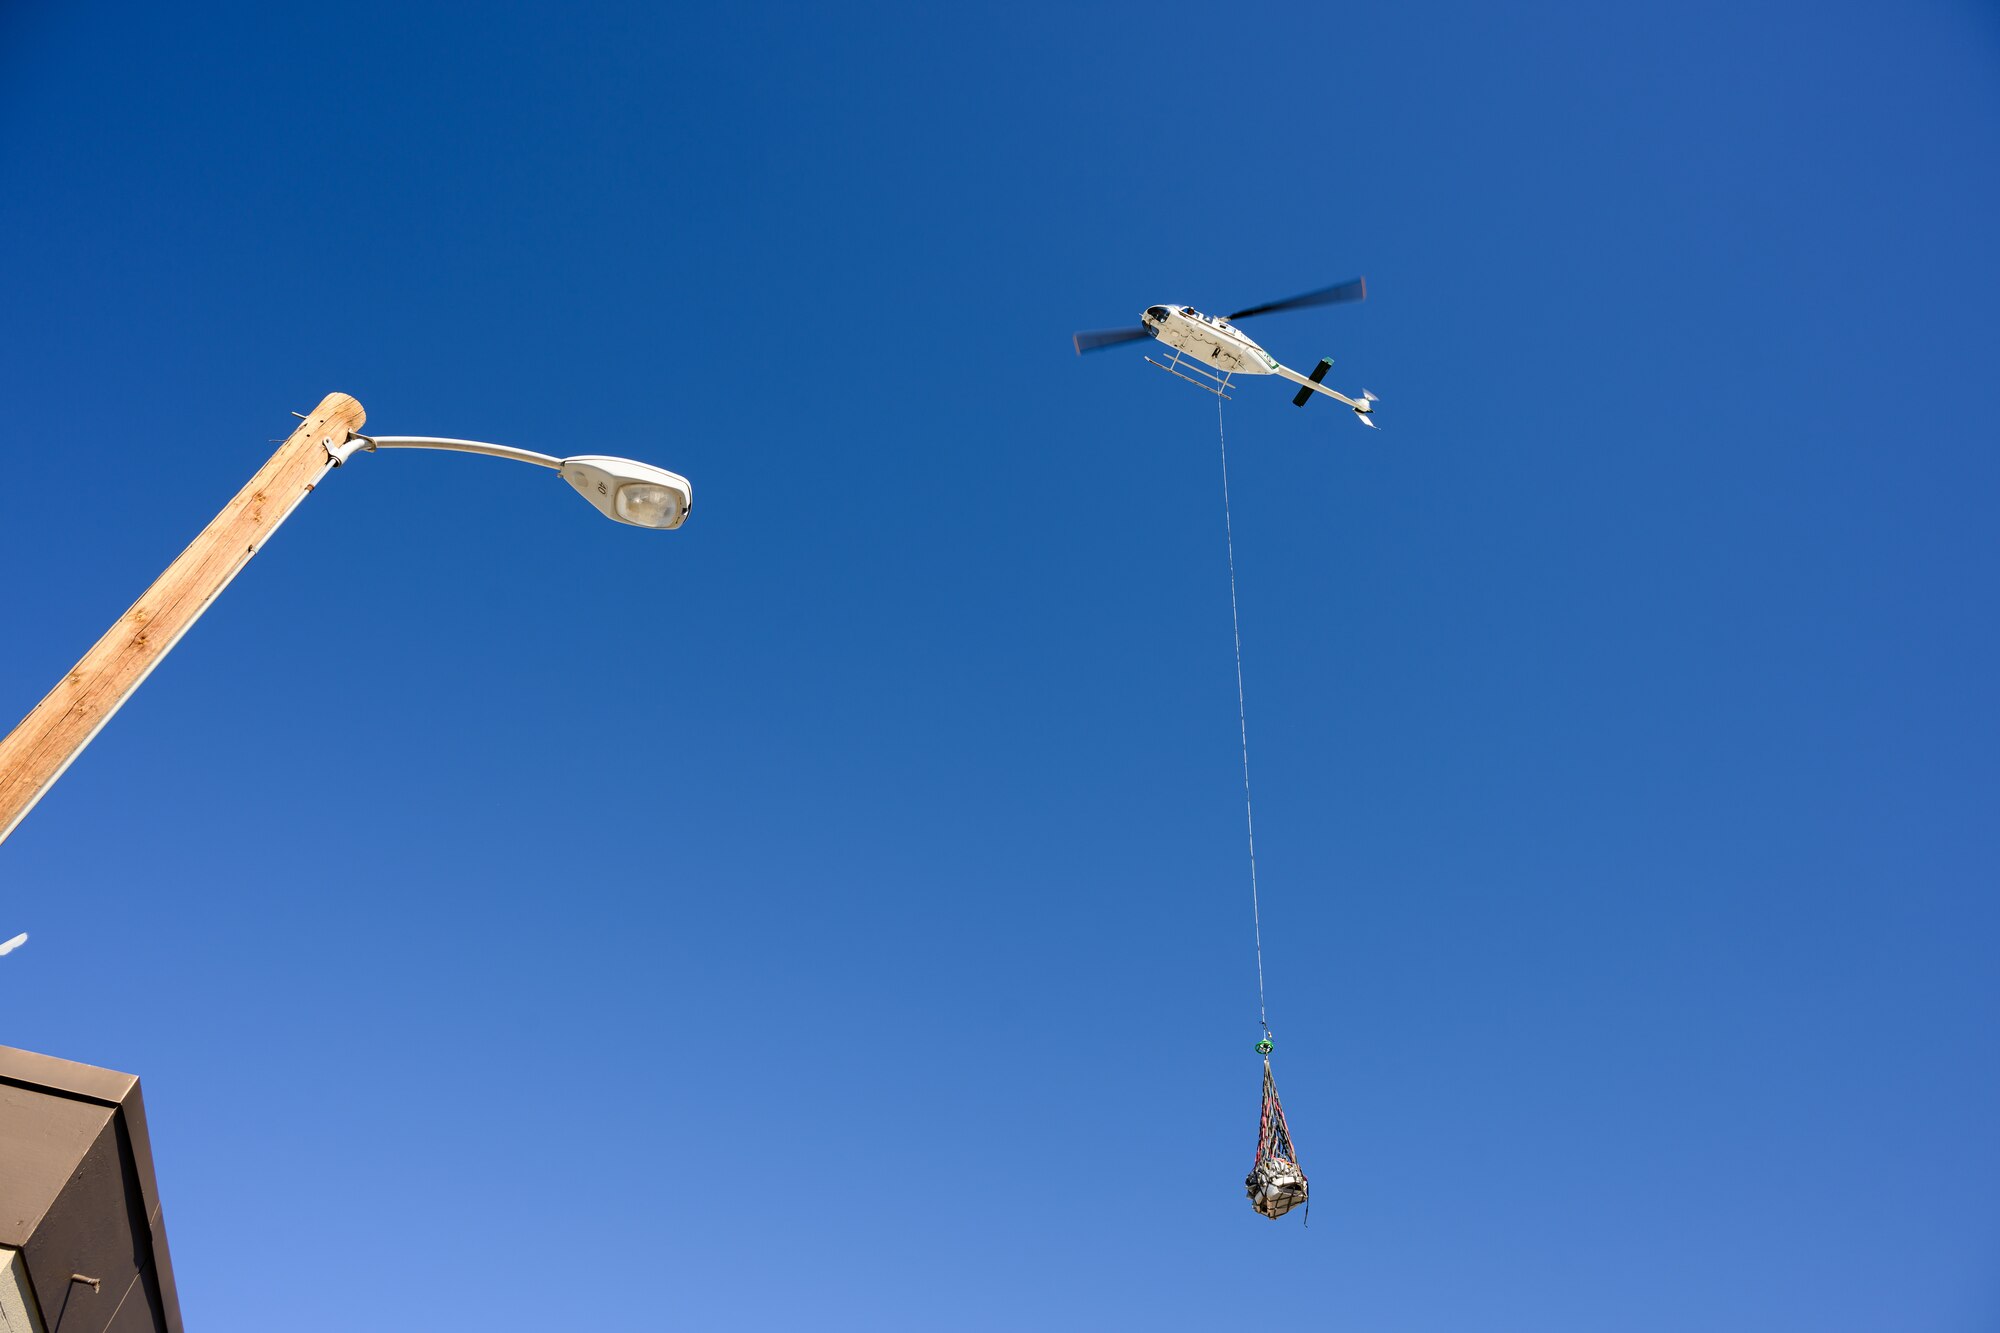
{"x":1276,"y":1184}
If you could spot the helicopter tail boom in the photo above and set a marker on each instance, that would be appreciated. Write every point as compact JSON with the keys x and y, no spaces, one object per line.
{"x":1363,"y":407}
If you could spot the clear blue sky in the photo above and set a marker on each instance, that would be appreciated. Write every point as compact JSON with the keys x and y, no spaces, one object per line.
{"x":833,"y":915}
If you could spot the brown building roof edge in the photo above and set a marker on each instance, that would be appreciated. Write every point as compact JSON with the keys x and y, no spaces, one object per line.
{"x":107,"y":1087}
{"x":30,"y":1069}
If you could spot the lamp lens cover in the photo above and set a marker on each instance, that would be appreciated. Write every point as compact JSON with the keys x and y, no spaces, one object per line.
{"x":648,"y":505}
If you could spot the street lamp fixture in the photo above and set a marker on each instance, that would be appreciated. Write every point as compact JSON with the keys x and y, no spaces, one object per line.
{"x":629,"y":492}
{"x":36,"y":752}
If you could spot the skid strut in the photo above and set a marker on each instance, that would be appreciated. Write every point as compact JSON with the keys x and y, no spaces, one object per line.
{"x":1194,"y":372}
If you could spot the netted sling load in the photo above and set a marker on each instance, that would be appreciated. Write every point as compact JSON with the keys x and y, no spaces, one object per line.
{"x":1275,"y":1184}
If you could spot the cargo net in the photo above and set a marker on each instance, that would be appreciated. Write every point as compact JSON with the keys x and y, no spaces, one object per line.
{"x":1275,"y":1184}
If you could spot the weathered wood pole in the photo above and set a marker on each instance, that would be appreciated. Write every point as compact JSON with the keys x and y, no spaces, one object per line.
{"x":36,"y":752}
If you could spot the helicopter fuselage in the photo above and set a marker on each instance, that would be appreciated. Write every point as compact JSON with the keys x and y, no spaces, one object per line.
{"x":1217,"y":343}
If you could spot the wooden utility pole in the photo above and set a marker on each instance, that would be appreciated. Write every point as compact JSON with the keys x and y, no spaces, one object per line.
{"x":35,"y":753}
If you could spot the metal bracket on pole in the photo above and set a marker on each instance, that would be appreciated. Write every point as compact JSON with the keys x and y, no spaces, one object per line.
{"x":342,"y":452}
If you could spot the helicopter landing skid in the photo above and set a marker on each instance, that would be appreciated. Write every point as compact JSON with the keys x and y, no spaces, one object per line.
{"x":1194,"y":372}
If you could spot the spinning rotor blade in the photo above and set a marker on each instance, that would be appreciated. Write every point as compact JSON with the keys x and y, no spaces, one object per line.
{"x":1096,"y":338}
{"x":1346,"y":291}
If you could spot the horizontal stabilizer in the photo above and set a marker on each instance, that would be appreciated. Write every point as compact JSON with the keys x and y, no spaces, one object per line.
{"x":1319,"y":373}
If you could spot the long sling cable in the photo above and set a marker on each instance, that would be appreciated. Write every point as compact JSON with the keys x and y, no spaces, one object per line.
{"x":1276,"y":1183}
{"x":1242,"y":724}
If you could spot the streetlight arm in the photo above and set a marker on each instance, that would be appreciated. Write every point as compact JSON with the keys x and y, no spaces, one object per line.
{"x":622,"y":489}
{"x":455,"y":446}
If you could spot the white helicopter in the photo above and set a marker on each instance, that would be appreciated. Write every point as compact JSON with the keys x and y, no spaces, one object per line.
{"x":1207,"y":351}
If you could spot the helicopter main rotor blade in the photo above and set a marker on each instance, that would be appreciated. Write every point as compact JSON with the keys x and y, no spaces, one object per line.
{"x":1346,"y":291}
{"x":1097,"y":338}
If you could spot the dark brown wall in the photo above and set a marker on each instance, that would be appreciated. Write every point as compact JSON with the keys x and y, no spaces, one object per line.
{"x":77,"y":1196}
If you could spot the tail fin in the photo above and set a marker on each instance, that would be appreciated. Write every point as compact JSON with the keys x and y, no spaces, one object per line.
{"x":1319,"y":373}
